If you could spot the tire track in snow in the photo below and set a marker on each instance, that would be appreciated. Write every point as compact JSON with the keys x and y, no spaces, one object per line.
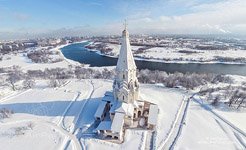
{"x":235,"y":129}
{"x":61,"y":121}
{"x":82,"y":111}
{"x":79,"y":115}
{"x":182,"y":122}
{"x":149,"y":140}
{"x":221,"y":118}
{"x":13,"y":95}
{"x":175,"y":127}
{"x":76,"y":96}
{"x":227,"y":133}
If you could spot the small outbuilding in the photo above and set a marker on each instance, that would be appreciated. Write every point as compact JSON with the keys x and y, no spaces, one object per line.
{"x":101,"y":111}
{"x":153,"y":116}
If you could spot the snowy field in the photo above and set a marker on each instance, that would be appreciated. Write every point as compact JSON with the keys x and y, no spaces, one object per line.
{"x":65,"y":115}
{"x":205,"y":130}
{"x":162,"y":54}
{"x":21,"y":59}
{"x":116,"y":48}
{"x":195,"y":56}
{"x":61,"y":112}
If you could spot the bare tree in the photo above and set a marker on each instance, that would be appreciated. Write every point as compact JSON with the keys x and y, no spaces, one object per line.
{"x":28,"y":83}
{"x":30,"y":125}
{"x":216,"y":100}
{"x":5,"y":113}
{"x":243,"y":99}
{"x":14,"y":77}
{"x":54,"y":83}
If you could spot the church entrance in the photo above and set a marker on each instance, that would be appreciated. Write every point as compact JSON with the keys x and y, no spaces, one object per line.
{"x":139,"y":113}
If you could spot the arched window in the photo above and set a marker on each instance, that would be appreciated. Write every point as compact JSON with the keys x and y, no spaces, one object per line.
{"x":123,"y":97}
{"x":123,"y":76}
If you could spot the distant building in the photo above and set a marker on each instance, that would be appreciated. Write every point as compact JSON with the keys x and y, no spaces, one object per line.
{"x":43,"y":42}
{"x":54,"y":41}
{"x":121,"y":108}
{"x":7,"y":47}
{"x":15,"y":46}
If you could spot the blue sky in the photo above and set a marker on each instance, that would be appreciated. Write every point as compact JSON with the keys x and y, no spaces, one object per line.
{"x":61,"y":17}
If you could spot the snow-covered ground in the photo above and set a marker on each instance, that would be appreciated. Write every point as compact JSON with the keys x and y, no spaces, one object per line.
{"x":58,"y":108}
{"x":206,"y":56}
{"x":207,"y":128}
{"x":20,"y":59}
{"x":170,"y":55}
{"x":59,"y":115}
{"x":59,"y":118}
{"x":116,"y":48}
{"x":165,"y":98}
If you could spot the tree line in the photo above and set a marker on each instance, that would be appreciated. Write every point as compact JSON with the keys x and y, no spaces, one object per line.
{"x":58,"y":76}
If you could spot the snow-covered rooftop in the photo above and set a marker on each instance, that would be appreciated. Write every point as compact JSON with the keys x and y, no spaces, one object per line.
{"x":108,"y":98}
{"x":118,"y":122}
{"x":108,"y":93}
{"x":125,"y":108}
{"x":104,"y":125}
{"x":153,"y":114}
{"x":100,"y":109}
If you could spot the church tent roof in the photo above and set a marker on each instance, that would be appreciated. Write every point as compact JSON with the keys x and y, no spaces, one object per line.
{"x":125,"y":60}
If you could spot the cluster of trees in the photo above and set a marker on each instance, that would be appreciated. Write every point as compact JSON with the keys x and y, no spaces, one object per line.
{"x":5,"y":113}
{"x":188,"y":52}
{"x":57,"y":75}
{"x":42,"y":56}
{"x":39,"y":56}
{"x":230,"y":59}
{"x":21,"y":130}
{"x":238,"y":98}
{"x":142,"y":49}
{"x":233,"y":96}
{"x":187,"y":80}
{"x":14,"y":75}
{"x":212,"y":47}
{"x":100,"y":46}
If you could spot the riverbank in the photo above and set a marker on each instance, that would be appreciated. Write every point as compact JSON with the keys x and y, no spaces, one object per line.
{"x":180,"y":56}
{"x":59,"y":49}
{"x":162,"y":61}
{"x":78,"y":52}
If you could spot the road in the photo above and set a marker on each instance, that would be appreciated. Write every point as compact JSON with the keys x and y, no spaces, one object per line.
{"x":176,"y":127}
{"x":72,"y":127}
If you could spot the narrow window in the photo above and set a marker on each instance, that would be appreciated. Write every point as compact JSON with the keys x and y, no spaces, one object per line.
{"x":123,"y":98}
{"x":123,"y":76}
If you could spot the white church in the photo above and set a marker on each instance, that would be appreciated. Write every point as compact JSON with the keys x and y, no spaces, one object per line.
{"x":122,"y":108}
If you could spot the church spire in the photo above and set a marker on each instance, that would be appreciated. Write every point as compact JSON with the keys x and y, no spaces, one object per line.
{"x":125,"y":60}
{"x":126,"y":83}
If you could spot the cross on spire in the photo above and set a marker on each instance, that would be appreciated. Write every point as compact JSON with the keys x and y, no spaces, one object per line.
{"x":125,"y":24}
